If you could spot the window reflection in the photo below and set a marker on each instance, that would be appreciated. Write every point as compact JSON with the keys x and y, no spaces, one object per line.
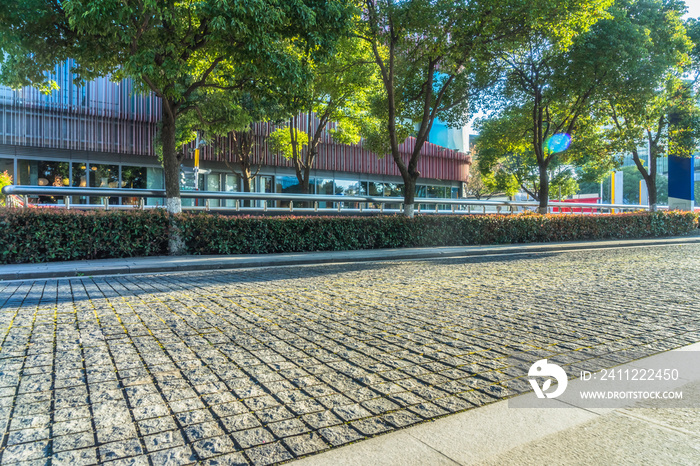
{"x":41,"y":173}
{"x":104,"y":176}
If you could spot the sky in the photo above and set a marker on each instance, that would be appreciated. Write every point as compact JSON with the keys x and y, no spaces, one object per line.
{"x":693,"y":8}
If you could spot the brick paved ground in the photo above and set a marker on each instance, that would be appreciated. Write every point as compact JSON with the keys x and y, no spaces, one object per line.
{"x":266,"y":365}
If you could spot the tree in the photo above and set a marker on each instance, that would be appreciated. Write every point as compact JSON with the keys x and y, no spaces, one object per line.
{"x":337,"y":93}
{"x":180,"y":51}
{"x":433,"y":56}
{"x":548,"y":84}
{"x":506,"y":157}
{"x":648,"y":104}
{"x":481,"y":185}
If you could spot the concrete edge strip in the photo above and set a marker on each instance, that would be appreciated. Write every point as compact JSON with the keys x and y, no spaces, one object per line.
{"x":231,"y":263}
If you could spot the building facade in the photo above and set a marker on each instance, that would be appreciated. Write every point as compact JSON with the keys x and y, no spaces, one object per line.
{"x":101,"y":134}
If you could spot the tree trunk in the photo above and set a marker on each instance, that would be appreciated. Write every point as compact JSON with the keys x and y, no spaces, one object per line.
{"x":246,"y":179}
{"x":171,"y":164}
{"x":543,"y":192}
{"x":409,"y":195}
{"x":651,"y":182}
{"x":651,"y":190}
{"x":171,"y":168}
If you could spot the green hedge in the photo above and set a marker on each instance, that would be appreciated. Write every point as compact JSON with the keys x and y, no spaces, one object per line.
{"x":42,"y":235}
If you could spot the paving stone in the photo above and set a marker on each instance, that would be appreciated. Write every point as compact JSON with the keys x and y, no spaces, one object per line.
{"x":73,"y":441}
{"x":72,"y":427}
{"x":401,"y":418}
{"x":203,"y":430}
{"x":321,"y":419}
{"x":213,"y":446}
{"x":116,"y":433}
{"x":156,"y":425}
{"x":163,"y":441}
{"x":25,"y":452}
{"x":231,"y":459}
{"x":252,"y":437}
{"x":141,"y":460}
{"x":84,"y":457}
{"x":27,"y":435}
{"x":340,"y":435}
{"x":240,"y":422}
{"x":288,"y":428}
{"x":173,"y":457}
{"x":268,"y":454}
{"x":351,"y":412}
{"x":230,"y":409}
{"x":203,"y":356}
{"x":305,"y":444}
{"x":120,"y":449}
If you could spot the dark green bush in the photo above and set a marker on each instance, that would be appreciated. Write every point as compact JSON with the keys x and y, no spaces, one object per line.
{"x":43,"y":235}
{"x":213,"y":234}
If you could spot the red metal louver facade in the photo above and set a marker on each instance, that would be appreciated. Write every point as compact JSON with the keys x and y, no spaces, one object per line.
{"x":104,"y":116}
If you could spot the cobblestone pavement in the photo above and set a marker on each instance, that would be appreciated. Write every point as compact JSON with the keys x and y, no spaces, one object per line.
{"x":266,"y":365}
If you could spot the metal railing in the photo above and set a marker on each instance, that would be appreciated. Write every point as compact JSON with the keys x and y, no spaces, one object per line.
{"x":272,"y":202}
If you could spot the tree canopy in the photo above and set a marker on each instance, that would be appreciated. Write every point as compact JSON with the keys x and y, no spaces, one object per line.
{"x":435,"y":56}
{"x":180,"y":51}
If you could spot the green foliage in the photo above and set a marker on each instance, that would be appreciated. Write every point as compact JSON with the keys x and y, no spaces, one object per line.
{"x":212,"y":234}
{"x":481,"y":185}
{"x":280,"y":140}
{"x":43,"y":235}
{"x":5,"y":180}
{"x":508,"y":162}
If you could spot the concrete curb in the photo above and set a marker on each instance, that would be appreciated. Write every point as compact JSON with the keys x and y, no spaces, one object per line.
{"x":164,"y":264}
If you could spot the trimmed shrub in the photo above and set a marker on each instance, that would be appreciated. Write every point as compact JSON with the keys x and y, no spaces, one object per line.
{"x":43,"y":235}
{"x":213,"y":234}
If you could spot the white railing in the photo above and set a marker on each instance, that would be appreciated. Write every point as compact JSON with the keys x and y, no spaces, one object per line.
{"x":300,"y":203}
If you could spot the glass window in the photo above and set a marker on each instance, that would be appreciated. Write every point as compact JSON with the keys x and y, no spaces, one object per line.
{"x":393,"y":190}
{"x":324,"y":186}
{"x":375,"y":189}
{"x":437,"y":191}
{"x":134,"y":177}
{"x":104,"y":176}
{"x":79,"y":180}
{"x":214,"y":184}
{"x":155,"y":180}
{"x":287,"y":184}
{"x":7,"y":174}
{"x":266,"y":186}
{"x":41,"y":173}
{"x":231,"y":184}
{"x":348,"y":188}
{"x":8,"y":165}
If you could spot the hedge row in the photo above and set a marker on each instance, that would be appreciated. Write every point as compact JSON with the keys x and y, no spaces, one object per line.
{"x":42,"y":235}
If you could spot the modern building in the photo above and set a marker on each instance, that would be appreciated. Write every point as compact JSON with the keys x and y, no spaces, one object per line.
{"x":102,"y":134}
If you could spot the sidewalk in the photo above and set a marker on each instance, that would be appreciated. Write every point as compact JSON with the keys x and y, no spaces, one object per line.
{"x":498,"y":435}
{"x":160,"y":264}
